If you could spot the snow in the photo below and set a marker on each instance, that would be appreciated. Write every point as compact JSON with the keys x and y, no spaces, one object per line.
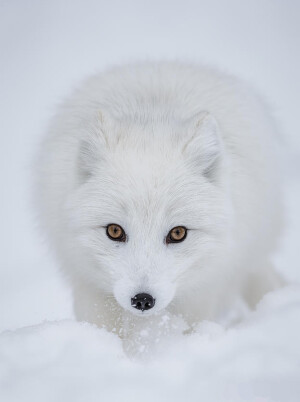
{"x":45,"y":355}
{"x":258,"y":360}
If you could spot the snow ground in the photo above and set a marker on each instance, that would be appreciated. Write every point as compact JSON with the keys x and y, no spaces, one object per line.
{"x":67,"y":361}
{"x":46,"y":47}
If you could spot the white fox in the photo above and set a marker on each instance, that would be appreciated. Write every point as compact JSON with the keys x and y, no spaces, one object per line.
{"x":159,"y":191}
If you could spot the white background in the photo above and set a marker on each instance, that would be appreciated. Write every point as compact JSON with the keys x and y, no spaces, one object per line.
{"x":48,"y":47}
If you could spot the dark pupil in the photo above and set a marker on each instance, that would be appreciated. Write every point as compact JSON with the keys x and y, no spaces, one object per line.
{"x":115,"y":230}
{"x":178,"y":232}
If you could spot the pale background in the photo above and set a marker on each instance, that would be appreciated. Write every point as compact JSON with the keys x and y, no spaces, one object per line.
{"x":47,"y":47}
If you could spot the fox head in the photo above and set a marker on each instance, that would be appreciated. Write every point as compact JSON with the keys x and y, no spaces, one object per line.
{"x":149,"y":214}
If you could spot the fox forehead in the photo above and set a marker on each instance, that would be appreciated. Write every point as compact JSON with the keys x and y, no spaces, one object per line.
{"x":142,"y":189}
{"x":142,"y":173}
{"x":147,"y":200}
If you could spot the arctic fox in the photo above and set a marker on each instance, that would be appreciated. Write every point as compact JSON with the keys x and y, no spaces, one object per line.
{"x":159,"y":191}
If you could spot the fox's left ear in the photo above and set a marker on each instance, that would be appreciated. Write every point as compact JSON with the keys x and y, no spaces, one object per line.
{"x":204,"y":146}
{"x":92,"y":148}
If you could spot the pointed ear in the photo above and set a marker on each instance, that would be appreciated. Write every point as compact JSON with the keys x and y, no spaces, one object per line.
{"x":91,"y":148}
{"x":204,"y":147}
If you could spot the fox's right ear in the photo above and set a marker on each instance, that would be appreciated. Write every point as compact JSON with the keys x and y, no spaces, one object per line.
{"x":204,"y":147}
{"x":91,"y":148}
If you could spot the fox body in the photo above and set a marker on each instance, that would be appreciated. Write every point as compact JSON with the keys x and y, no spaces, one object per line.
{"x":140,"y":150}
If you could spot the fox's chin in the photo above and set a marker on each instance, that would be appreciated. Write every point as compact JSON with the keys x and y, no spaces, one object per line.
{"x":157,"y":309}
{"x":145,"y":313}
{"x":141,"y":313}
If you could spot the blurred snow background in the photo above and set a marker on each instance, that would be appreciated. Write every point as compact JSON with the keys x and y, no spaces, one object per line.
{"x":46,"y":48}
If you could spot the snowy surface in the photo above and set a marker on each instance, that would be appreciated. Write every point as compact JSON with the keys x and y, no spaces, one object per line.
{"x":46,"y":48}
{"x":68,"y":361}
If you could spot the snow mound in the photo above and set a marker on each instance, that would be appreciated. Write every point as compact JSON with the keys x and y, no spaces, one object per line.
{"x":257,"y":360}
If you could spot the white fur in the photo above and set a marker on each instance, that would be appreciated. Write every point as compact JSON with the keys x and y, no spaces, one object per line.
{"x":150,"y":147}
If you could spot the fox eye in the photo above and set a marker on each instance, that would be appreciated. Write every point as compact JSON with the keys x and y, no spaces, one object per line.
{"x":176,"y":234}
{"x":115,"y":232}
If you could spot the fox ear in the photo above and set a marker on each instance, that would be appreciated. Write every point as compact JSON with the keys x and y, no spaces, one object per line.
{"x":91,"y":148}
{"x":204,"y":148}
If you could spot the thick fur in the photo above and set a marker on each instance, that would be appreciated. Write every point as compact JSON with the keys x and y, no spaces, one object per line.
{"x":151,"y":147}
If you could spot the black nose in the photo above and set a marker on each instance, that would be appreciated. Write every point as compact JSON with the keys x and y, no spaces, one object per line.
{"x":142,"y":301}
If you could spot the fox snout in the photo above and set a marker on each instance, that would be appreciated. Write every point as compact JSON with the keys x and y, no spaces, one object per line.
{"x":142,"y":301}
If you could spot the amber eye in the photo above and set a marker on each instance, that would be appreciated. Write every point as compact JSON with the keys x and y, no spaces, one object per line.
{"x":115,"y":232}
{"x":176,"y":234}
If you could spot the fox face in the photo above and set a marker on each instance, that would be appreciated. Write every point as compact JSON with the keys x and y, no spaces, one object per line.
{"x":149,"y":212}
